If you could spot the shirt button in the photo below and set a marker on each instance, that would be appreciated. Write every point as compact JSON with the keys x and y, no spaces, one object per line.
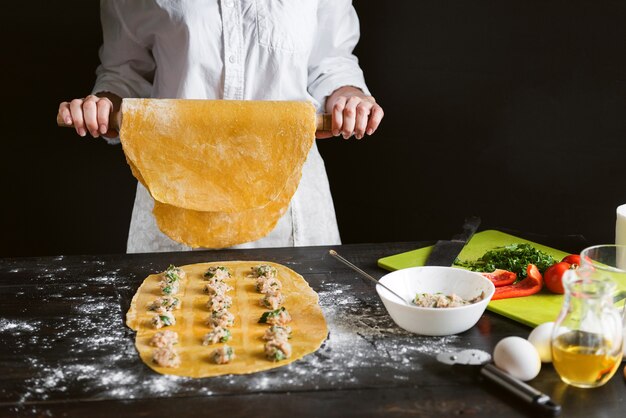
{"x":232,"y":59}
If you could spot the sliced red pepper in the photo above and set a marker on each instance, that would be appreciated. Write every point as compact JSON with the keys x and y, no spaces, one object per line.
{"x":501,"y":277}
{"x":529,"y":286}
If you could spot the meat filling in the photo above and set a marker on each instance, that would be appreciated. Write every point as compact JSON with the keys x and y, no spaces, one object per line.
{"x":164,"y":339}
{"x":163,"y":319}
{"x":169,"y":288}
{"x":273,"y":300}
{"x":174,"y":273}
{"x":218,"y":272}
{"x":221,"y":318}
{"x":277,"y":332}
{"x":223,"y":354}
{"x":268,"y":285}
{"x":166,"y":357}
{"x":278,"y":317}
{"x":264,"y":270}
{"x":277,"y":350}
{"x":217,"y":335}
{"x":439,"y":300}
{"x":168,"y":303}
{"x":216,"y":287}
{"x":219,"y":302}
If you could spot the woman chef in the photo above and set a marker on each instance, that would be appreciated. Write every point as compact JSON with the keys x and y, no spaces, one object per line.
{"x":234,"y":50}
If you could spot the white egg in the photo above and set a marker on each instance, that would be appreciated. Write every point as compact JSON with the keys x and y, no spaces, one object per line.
{"x":518,"y":357}
{"x":541,"y":338}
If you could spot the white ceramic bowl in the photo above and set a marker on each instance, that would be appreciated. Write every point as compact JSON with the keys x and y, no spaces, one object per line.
{"x":447,"y":280}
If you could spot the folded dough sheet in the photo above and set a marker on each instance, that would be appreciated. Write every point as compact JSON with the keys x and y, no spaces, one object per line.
{"x":221,"y":172}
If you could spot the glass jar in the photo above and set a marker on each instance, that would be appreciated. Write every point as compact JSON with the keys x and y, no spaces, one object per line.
{"x":588,"y":334}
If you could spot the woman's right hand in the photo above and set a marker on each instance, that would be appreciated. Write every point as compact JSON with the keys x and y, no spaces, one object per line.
{"x":91,"y":114}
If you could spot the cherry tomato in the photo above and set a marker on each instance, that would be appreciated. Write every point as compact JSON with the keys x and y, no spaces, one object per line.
{"x":572,"y":259}
{"x":554,"y":276}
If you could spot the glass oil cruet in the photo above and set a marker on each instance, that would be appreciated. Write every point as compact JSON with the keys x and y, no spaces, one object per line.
{"x":587,"y":338}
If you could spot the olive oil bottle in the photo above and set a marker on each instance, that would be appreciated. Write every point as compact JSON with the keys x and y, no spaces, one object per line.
{"x":587,"y":335}
{"x":584,"y":359}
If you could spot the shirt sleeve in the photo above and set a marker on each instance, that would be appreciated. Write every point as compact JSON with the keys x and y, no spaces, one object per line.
{"x":126,"y":65}
{"x":332,"y":63}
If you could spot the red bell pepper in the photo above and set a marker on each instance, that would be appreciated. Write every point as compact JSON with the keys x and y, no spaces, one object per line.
{"x":501,"y":277}
{"x":529,"y":286}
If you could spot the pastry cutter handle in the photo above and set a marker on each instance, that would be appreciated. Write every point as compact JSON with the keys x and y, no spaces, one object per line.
{"x":521,"y":390}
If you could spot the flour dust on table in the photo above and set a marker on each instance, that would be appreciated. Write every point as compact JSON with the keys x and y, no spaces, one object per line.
{"x":359,"y":328}
{"x":83,"y":348}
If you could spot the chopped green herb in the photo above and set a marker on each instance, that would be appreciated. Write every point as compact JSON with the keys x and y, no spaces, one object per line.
{"x":166,"y":319}
{"x":210,"y":273}
{"x":514,"y":258}
{"x":279,"y":328}
{"x":264,"y":270}
{"x":279,"y":355}
{"x":169,"y":303}
{"x":226,"y":337}
{"x":171,"y":273}
{"x":270,"y":314}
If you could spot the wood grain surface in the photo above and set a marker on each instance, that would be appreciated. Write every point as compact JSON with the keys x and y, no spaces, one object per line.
{"x":66,"y":351}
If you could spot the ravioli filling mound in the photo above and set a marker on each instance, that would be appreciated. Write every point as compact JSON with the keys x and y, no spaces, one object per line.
{"x":229,"y":317}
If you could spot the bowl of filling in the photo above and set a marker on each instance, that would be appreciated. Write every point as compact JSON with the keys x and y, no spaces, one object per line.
{"x":439,"y":300}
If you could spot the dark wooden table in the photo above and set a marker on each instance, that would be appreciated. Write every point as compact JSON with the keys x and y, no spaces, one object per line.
{"x":65,"y":350}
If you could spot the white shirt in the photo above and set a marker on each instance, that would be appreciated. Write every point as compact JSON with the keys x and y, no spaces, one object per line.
{"x":234,"y":50}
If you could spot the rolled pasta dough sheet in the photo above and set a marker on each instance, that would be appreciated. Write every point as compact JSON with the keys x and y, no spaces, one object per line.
{"x":216,"y":155}
{"x":220,"y":229}
{"x":302,"y":302}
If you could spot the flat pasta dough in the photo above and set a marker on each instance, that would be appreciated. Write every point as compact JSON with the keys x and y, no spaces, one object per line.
{"x":216,"y":155}
{"x":220,"y":229}
{"x":308,"y":323}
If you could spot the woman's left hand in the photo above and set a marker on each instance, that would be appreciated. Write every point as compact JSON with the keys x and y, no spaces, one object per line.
{"x":353,"y":112}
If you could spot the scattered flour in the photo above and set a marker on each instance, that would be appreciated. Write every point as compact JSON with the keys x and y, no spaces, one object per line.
{"x":101,"y":360}
{"x":15,"y":327}
{"x":362,"y":337}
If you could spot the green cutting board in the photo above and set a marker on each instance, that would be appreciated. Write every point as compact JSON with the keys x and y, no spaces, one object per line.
{"x":530,"y":310}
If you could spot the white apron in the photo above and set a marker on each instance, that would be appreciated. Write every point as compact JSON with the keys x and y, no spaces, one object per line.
{"x":237,"y":50}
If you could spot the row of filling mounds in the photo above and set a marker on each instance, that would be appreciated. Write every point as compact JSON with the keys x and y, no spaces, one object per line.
{"x":220,"y":320}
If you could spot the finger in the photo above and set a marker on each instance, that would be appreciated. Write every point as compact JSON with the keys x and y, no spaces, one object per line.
{"x":76,"y":109}
{"x":90,"y":114}
{"x":64,"y":113}
{"x":338,"y":115}
{"x":376,"y":116}
{"x":349,"y":116}
{"x":104,"y":107}
{"x":362,"y":114}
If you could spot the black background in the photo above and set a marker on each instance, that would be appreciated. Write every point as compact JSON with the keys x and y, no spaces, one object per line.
{"x":510,"y":110}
